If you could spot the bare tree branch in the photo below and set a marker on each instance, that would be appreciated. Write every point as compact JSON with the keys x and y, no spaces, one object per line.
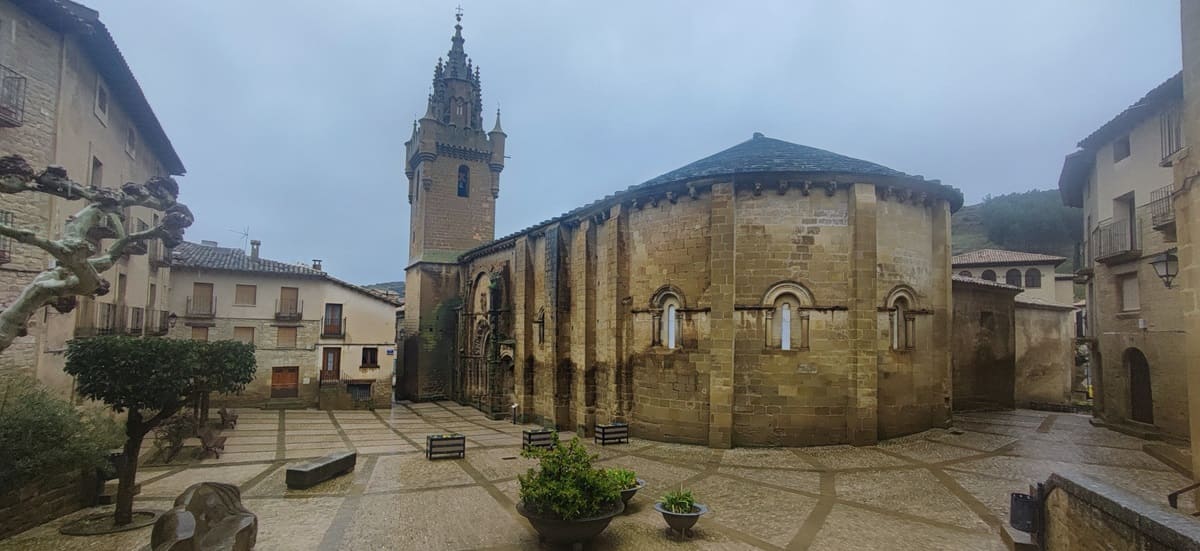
{"x":28,"y":237}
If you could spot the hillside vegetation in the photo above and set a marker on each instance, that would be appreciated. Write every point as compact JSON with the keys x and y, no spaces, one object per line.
{"x":1033,"y":221}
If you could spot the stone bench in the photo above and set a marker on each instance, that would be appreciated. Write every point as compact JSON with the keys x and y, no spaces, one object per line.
{"x":313,"y":472}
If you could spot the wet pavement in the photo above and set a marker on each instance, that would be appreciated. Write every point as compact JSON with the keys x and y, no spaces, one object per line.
{"x":936,"y":490}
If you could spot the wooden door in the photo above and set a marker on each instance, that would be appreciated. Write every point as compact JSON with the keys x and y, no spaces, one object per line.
{"x":1141,"y":398}
{"x":331,"y":365}
{"x":285,"y":382}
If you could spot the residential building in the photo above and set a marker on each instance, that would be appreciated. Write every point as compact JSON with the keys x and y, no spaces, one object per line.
{"x":68,"y":98}
{"x":319,"y":341}
{"x":1121,"y":178}
{"x":1185,"y":161}
{"x":1043,"y":372}
{"x":769,"y":294}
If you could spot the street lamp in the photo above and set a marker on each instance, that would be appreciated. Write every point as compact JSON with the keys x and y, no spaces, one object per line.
{"x":1166,"y":267}
{"x":171,"y":319}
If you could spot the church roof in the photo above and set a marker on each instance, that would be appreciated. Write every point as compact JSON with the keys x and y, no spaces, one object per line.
{"x":763,"y":154}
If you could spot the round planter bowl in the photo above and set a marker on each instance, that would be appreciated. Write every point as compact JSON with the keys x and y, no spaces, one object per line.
{"x":627,"y":494}
{"x":552,"y":530}
{"x":681,"y":522}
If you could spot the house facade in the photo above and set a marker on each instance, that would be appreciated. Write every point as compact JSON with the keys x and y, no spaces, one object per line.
{"x":1122,"y":179}
{"x":68,"y":98}
{"x":319,"y":341}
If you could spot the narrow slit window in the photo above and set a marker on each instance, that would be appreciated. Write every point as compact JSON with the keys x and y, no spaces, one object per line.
{"x":672,"y":329}
{"x":785,"y":327}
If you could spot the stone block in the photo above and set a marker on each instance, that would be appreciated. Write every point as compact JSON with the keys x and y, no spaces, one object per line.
{"x":310,"y":473}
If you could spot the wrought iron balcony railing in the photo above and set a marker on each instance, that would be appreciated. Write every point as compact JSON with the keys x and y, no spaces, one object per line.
{"x":201,"y":307}
{"x":1170,"y":124}
{"x":289,"y":309}
{"x":1162,"y":211}
{"x":1116,"y":241}
{"x":157,"y":323}
{"x":333,"y":328}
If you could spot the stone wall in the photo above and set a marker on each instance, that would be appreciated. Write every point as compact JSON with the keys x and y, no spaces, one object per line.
{"x":1045,"y":354}
{"x":984,"y":347}
{"x":1082,"y":514}
{"x":40,"y":501}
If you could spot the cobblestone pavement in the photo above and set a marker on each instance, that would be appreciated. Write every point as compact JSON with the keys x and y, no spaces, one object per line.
{"x":936,"y":490}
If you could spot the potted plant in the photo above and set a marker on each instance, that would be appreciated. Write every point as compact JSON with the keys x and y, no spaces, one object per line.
{"x":627,"y":481}
{"x":680,"y":510}
{"x":565,"y":499}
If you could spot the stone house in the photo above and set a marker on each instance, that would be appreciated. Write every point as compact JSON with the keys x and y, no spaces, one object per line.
{"x":319,"y":341}
{"x":983,"y":347}
{"x":68,"y":98}
{"x":1121,"y":178}
{"x":1044,"y":369}
{"x":770,"y":294}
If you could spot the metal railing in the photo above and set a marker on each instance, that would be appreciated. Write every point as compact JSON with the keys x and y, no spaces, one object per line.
{"x":6,"y":218}
{"x":1162,"y":211}
{"x":12,"y":97}
{"x":1113,"y":238}
{"x":289,"y":309}
{"x":136,"y":318}
{"x":201,"y":307}
{"x":1170,"y":125}
{"x":110,"y":319}
{"x":157,"y":322}
{"x":333,"y":327}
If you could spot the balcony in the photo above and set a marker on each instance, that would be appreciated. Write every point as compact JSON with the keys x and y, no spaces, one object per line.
{"x":12,"y":98}
{"x":133,"y":225}
{"x":201,"y":307}
{"x":1170,"y":126}
{"x":97,"y":318}
{"x":160,"y":256}
{"x":1116,"y":241}
{"x":157,"y":323}
{"x":1162,"y":211}
{"x":136,"y":319}
{"x":333,"y":328}
{"x":104,"y":230}
{"x":289,"y":309}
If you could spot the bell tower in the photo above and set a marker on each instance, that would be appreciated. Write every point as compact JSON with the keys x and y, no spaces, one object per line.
{"x":453,"y":167}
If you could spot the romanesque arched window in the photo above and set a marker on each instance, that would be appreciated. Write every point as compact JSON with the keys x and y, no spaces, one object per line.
{"x":988,"y":275}
{"x":1013,"y":277}
{"x":464,"y":181}
{"x":903,"y":320}
{"x":966,"y":273}
{"x":667,"y":304}
{"x":787,"y":308}
{"x":1033,"y":278}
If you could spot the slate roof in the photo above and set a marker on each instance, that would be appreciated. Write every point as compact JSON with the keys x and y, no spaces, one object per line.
{"x":763,"y":154}
{"x":998,"y":257}
{"x":984,"y":283}
{"x":759,"y":154}
{"x":84,"y":23}
{"x":208,"y":257}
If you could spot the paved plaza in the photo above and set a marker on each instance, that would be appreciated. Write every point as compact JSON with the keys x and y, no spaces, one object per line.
{"x":941,"y":489}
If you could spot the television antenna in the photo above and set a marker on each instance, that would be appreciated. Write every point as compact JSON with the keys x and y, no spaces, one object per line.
{"x":245,"y":233}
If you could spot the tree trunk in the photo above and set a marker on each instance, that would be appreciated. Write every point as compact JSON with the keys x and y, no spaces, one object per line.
{"x":135,"y":432}
{"x":204,"y":408}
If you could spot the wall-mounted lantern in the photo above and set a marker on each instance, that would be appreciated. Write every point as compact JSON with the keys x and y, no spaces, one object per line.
{"x":1166,"y":267}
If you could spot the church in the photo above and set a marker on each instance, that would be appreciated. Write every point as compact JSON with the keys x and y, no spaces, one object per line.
{"x":771,"y":294}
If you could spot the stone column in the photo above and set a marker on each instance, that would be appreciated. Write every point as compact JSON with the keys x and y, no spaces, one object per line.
{"x":943,"y":324}
{"x":723,"y":274}
{"x":521,"y":278}
{"x":583,"y":323}
{"x":862,"y":426}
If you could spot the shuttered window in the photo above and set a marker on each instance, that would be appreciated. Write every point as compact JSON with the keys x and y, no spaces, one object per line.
{"x":244,"y":334}
{"x":286,"y":337}
{"x":246,"y":295}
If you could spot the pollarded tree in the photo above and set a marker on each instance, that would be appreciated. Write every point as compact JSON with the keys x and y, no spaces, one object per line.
{"x":222,"y":366}
{"x":79,"y":261}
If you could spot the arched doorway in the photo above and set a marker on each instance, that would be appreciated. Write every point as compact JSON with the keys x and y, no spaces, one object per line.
{"x":1141,"y":399}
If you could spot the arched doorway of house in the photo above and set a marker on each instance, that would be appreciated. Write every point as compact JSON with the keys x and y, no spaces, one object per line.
{"x":1141,"y":399}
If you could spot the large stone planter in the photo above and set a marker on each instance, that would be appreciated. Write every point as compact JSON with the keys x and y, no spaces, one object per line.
{"x":627,"y":493}
{"x":574,"y":532}
{"x":681,"y":522}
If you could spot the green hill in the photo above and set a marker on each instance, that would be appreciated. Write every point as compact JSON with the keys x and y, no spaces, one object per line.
{"x":1033,"y":221}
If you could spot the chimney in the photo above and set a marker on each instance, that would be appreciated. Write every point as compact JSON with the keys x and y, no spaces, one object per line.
{"x":254,"y":244}
{"x":208,"y":243}
{"x":317,"y":264}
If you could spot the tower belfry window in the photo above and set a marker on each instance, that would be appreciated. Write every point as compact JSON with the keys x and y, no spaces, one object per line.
{"x":464,"y":181}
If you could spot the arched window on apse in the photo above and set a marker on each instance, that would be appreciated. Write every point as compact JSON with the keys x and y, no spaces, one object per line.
{"x":788,"y":316}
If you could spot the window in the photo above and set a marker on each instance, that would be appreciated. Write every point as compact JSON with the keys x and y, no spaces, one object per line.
{"x":97,"y":178}
{"x":245,"y":295}
{"x":1033,"y":278}
{"x":1129,"y":292}
{"x":101,"y":107}
{"x":1121,"y":148}
{"x":785,"y":306}
{"x":333,"y":320}
{"x":285,"y":337}
{"x":359,"y":392}
{"x":199,"y":333}
{"x":988,"y":275}
{"x":966,"y":273}
{"x":131,"y":142}
{"x":785,"y":326}
{"x":464,"y":181}
{"x":669,"y":322}
{"x":1013,"y":277}
{"x":244,"y":334}
{"x":903,"y":325}
{"x":6,"y":218}
{"x":370,"y":356}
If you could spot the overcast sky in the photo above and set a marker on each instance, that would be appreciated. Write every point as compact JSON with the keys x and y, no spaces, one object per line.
{"x":291,"y":115}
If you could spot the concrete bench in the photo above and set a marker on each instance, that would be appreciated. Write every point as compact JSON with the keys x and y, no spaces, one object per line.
{"x":313,"y":472}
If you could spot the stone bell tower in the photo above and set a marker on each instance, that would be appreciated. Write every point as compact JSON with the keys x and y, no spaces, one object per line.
{"x":453,"y":168}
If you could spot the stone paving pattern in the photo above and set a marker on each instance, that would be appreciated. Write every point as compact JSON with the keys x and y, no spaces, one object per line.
{"x":935,"y":490}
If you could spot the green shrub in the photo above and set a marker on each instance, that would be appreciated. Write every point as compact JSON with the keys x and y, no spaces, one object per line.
{"x":623,"y":478}
{"x":679,"y":501}
{"x":169,"y":436}
{"x":565,"y":485}
{"x":42,"y":435}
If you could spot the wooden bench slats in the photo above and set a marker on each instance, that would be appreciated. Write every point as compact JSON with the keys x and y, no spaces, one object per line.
{"x":615,"y":433}
{"x":442,"y":447}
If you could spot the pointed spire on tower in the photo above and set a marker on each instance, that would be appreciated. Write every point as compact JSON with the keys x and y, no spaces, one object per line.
{"x":497,"y":128}
{"x":456,"y":63}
